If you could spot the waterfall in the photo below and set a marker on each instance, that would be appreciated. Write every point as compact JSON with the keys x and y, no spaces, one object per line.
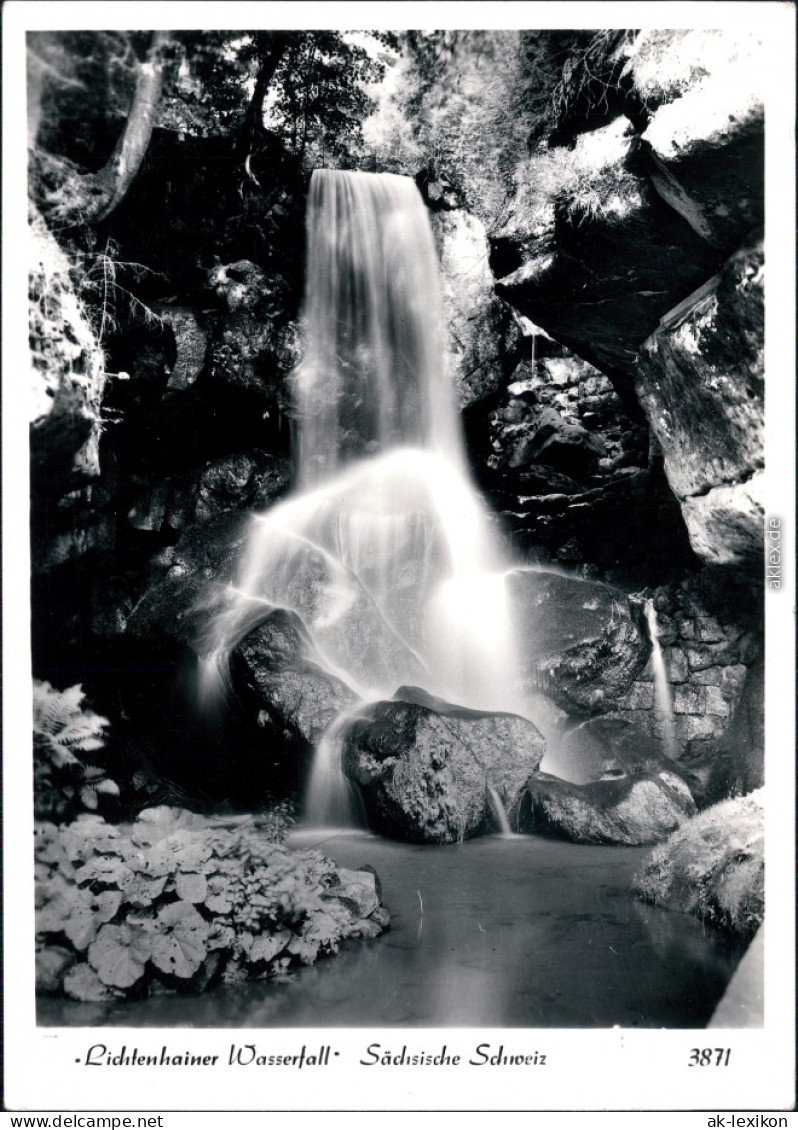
{"x":499,"y":812}
{"x":662,"y":688}
{"x":385,"y":549}
{"x":371,"y":376}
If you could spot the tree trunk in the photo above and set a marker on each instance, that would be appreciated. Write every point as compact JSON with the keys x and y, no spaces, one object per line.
{"x":271,"y":46}
{"x":104,"y":190}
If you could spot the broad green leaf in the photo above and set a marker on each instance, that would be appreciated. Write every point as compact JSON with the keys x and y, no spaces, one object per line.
{"x":107,"y":904}
{"x":90,"y":824}
{"x":188,"y":849}
{"x":82,"y":984}
{"x":106,"y":869}
{"x":191,"y":887}
{"x":119,"y":955}
{"x":81,"y":927}
{"x":305,"y":949}
{"x":266,"y":946}
{"x":142,"y":890}
{"x":181,"y":947}
{"x":221,"y":936}
{"x":51,"y":918}
{"x":153,"y":861}
{"x":88,"y":794}
{"x":52,"y":963}
{"x":219,"y":904}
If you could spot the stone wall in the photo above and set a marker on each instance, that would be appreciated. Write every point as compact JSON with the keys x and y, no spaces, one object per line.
{"x":710,"y":634}
{"x":707,"y":657}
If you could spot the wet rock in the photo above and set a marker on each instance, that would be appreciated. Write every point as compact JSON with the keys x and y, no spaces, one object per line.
{"x":244,"y":285}
{"x":480,"y":325}
{"x":287,"y":684}
{"x":605,"y":237}
{"x":337,"y":608}
{"x":221,"y":485}
{"x":725,"y":525}
{"x":732,"y":764}
{"x":239,"y":481}
{"x":701,"y":384}
{"x":242,"y":353}
{"x":424,"y":766}
{"x":706,"y":153}
{"x":191,"y":345}
{"x":439,"y":193}
{"x":713,"y":866}
{"x":582,"y":642}
{"x":52,"y":964}
{"x":640,"y":808}
{"x":196,"y":599}
{"x":548,"y":438}
{"x":356,"y":890}
{"x":600,"y":265}
{"x":112,"y":600}
{"x":615,"y":745}
{"x":89,"y":535}
{"x":183,"y":601}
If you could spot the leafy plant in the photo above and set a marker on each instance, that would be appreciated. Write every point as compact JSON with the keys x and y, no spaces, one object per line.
{"x":178,"y":901}
{"x":63,"y":733}
{"x":100,"y":286}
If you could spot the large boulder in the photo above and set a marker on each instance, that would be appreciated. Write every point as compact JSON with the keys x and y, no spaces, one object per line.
{"x":425,"y":767}
{"x":289,"y":570}
{"x":705,"y":148}
{"x":701,"y":383}
{"x":733,"y":764}
{"x":278,"y":668}
{"x":641,"y":808}
{"x":615,"y":745}
{"x":249,"y":480}
{"x":605,"y":256}
{"x":713,"y":866}
{"x":190,"y":584}
{"x":581,"y":642}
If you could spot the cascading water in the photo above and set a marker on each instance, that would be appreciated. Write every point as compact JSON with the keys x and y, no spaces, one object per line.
{"x":662,"y":688}
{"x":385,"y":551}
{"x":499,"y":812}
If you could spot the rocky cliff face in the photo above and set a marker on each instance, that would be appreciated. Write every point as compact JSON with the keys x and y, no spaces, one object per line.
{"x":633,"y":249}
{"x":700,"y":379}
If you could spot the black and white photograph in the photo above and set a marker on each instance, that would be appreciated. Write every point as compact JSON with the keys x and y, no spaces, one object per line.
{"x":399,"y":601}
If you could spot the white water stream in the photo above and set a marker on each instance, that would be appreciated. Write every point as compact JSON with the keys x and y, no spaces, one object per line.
{"x":663,"y":698}
{"x":385,"y":550}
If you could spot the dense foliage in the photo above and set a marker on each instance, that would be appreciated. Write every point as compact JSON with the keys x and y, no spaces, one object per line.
{"x":306,"y":89}
{"x":64,"y":732}
{"x":176,"y":901}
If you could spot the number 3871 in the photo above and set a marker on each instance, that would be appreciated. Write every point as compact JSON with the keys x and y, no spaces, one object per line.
{"x":709,"y":1057}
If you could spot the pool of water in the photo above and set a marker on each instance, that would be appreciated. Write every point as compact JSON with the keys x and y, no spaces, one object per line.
{"x":500,"y":932}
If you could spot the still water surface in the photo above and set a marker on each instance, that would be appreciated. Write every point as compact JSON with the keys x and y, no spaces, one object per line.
{"x":499,"y":932}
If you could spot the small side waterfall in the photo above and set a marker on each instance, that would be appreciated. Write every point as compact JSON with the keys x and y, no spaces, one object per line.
{"x":332,"y":801}
{"x":499,"y":812}
{"x":385,"y":551}
{"x":662,"y":688}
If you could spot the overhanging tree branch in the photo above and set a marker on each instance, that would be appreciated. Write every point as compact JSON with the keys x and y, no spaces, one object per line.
{"x":101,"y":192}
